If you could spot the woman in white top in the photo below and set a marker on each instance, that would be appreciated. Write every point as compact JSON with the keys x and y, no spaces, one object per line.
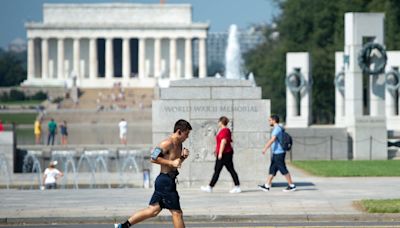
{"x":50,"y":176}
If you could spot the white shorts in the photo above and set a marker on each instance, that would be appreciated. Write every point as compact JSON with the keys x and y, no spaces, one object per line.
{"x":122,"y":135}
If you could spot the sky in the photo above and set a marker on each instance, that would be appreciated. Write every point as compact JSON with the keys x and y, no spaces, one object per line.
{"x":219,"y":13}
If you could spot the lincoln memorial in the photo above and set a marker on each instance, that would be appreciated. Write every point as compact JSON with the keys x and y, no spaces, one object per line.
{"x":98,"y":45}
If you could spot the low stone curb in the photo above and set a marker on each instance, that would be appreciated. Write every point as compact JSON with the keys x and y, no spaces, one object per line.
{"x":212,"y":218}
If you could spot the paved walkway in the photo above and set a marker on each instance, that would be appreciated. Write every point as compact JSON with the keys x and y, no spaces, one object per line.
{"x":317,"y":199}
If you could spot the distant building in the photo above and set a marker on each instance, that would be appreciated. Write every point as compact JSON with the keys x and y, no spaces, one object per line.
{"x":18,"y":45}
{"x":217,"y":43}
{"x":98,"y":45}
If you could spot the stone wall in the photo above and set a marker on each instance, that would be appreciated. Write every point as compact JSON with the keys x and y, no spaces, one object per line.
{"x":202,"y":102}
{"x":319,"y":143}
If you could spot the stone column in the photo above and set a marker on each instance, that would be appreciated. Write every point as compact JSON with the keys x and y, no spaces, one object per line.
{"x":31,"y":58}
{"x":76,"y":68}
{"x":188,"y":58}
{"x":172,"y":58}
{"x":93,"y":64}
{"x":340,"y":120}
{"x":109,"y":59}
{"x":142,"y":58}
{"x":300,"y":62}
{"x":157,"y":57}
{"x":60,"y":59}
{"x":45,"y":58}
{"x":377,"y":95}
{"x":202,"y":58}
{"x":126,"y":59}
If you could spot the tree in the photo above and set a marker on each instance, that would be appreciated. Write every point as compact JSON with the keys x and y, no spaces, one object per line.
{"x":317,"y":27}
{"x":12,"y":68}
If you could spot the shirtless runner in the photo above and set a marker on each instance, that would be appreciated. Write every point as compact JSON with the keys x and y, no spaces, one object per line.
{"x":169,"y":154}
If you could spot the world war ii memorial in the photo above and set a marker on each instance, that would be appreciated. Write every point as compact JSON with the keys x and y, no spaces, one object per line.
{"x":146,"y":64}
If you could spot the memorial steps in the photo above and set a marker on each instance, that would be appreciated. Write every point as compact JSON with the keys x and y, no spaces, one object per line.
{"x":111,"y":99}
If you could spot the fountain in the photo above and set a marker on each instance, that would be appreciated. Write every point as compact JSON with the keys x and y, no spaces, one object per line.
{"x":128,"y":166}
{"x":94,"y":168}
{"x":97,"y":166}
{"x":233,"y":56}
{"x":67,"y":164}
{"x":32,"y":165}
{"x":5,"y":171}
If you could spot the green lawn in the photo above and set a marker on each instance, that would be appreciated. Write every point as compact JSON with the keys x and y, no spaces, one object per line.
{"x":25,"y":102}
{"x":381,"y":206}
{"x":350,"y":168}
{"x":18,"y":118}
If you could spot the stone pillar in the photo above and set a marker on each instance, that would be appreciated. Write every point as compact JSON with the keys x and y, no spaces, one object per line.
{"x":377,"y":95}
{"x":142,"y":58}
{"x":60,"y":59}
{"x":392,"y":115}
{"x":188,"y":59}
{"x":109,"y":59}
{"x":172,"y":59}
{"x":45,"y":58}
{"x":126,"y":59}
{"x":202,"y":58}
{"x":31,"y":58}
{"x":367,"y":132}
{"x":340,"y":120}
{"x":157,"y":57}
{"x":93,"y":64}
{"x":76,"y":67}
{"x":299,"y":118}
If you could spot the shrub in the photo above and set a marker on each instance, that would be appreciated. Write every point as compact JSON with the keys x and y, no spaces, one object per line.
{"x":40,"y":95}
{"x":16,"y":95}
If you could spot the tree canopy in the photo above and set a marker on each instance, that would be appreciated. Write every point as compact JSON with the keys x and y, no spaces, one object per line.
{"x":317,"y":27}
{"x":12,"y":68}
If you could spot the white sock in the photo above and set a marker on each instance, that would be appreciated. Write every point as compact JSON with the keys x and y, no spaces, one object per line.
{"x":291,"y":185}
{"x":267,"y":185}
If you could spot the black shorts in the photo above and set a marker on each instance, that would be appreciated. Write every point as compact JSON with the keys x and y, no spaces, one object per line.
{"x":278,"y":164}
{"x":165,"y":193}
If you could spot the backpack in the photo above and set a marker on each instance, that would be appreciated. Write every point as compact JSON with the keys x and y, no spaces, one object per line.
{"x":287,"y":141}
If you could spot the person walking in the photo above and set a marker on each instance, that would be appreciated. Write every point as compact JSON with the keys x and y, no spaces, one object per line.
{"x":277,"y":157}
{"x":52,"y":128}
{"x":37,"y":130}
{"x":51,"y":174}
{"x":169,"y":154}
{"x":123,"y":130}
{"x":224,"y":157}
{"x":64,"y":133}
{"x":1,"y":126}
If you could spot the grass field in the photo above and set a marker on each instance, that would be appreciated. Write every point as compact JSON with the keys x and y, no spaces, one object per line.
{"x":381,"y":206}
{"x":25,"y":102}
{"x":18,"y":118}
{"x":350,"y":168}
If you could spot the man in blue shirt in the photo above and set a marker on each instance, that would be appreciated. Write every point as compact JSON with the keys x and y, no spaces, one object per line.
{"x":277,"y":157}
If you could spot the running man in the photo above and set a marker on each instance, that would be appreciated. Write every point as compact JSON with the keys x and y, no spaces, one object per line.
{"x":169,"y":154}
{"x":277,"y":157}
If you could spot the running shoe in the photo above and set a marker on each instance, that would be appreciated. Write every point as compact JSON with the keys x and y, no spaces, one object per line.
{"x":263,"y":188}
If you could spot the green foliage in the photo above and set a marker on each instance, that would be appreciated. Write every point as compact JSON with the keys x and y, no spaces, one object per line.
{"x":314,"y":26}
{"x":12,"y":68}
{"x":16,"y":95}
{"x":381,"y":206}
{"x":350,"y":168}
{"x":39,"y":95}
{"x":57,"y":100}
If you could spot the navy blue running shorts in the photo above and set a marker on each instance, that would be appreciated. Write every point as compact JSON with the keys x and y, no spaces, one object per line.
{"x":165,"y":193}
